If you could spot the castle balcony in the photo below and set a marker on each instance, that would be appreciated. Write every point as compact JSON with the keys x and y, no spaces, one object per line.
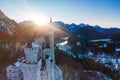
{"x":12,"y":68}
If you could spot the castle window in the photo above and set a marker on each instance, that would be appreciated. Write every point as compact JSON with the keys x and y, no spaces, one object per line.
{"x":43,"y":65}
{"x":47,"y":45}
{"x":10,"y":75}
{"x":51,"y":60}
{"x":46,"y":56}
{"x":10,"y":70}
{"x":30,"y":62}
{"x":30,"y":69}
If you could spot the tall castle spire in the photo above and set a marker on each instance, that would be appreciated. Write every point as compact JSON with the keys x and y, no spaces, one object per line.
{"x":50,"y":19}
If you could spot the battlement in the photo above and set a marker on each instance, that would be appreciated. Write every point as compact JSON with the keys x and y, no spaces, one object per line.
{"x":31,"y":55}
{"x":31,"y":50}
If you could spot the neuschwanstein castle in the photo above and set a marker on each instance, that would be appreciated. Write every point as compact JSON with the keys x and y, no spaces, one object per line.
{"x":39,"y":61}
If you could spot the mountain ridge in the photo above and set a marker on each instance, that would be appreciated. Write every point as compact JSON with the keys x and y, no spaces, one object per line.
{"x":95,"y":31}
{"x":7,"y":25}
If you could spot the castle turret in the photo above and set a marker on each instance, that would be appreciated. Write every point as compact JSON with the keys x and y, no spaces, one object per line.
{"x":50,"y":19}
{"x":31,"y":55}
{"x":31,"y":69}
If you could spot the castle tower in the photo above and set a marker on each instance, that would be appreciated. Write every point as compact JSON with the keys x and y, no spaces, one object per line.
{"x":52,"y":52}
{"x":40,"y":59}
{"x":31,"y":67}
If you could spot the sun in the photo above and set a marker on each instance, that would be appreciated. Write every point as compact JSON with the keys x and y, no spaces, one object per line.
{"x":38,"y":18}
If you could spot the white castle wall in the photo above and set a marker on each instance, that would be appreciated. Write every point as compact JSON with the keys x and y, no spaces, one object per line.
{"x":30,"y":71}
{"x":49,"y":69}
{"x":58,"y":73}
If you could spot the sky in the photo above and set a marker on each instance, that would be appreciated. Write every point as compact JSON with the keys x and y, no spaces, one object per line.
{"x":105,"y":13}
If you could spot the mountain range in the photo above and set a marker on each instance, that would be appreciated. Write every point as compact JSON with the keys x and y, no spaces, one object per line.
{"x":94,"y":32}
{"x":9,"y":26}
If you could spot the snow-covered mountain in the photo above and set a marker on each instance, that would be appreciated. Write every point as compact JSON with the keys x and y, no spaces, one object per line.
{"x":106,"y":30}
{"x":92,"y":31}
{"x":7,"y":25}
{"x":74,"y":27}
{"x":98,"y":28}
{"x":70,"y":27}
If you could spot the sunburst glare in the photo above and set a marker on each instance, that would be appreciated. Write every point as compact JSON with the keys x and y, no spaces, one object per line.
{"x":39,"y":19}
